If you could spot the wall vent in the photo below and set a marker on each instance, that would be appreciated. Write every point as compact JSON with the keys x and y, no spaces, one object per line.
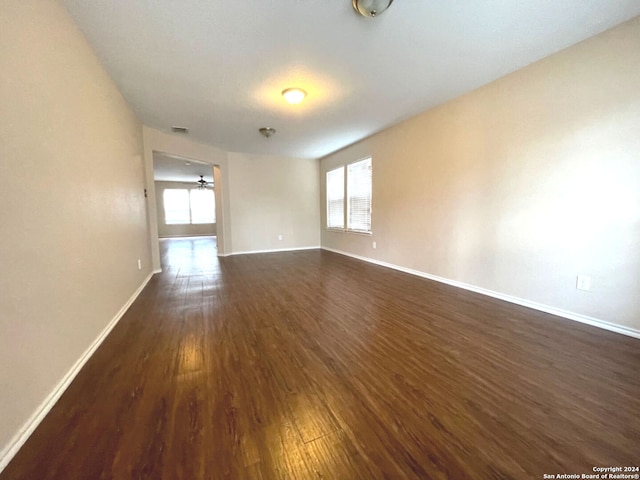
{"x":184,"y":130}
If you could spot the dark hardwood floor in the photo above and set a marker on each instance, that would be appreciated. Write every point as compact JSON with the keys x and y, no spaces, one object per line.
{"x":307,"y":365}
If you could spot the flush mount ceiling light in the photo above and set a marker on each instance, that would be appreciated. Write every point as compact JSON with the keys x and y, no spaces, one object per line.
{"x":294,"y":95}
{"x":267,"y":131}
{"x":371,"y":8}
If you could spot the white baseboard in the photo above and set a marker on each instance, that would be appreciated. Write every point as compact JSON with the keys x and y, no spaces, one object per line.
{"x":501,"y":296}
{"x":157,"y":270}
{"x":248,"y":252}
{"x":18,"y":440}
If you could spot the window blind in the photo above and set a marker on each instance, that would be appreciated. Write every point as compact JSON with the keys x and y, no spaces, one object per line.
{"x":335,"y":198}
{"x":359,"y":196}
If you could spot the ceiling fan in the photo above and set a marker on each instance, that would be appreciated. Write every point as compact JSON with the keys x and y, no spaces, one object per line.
{"x":203,"y":184}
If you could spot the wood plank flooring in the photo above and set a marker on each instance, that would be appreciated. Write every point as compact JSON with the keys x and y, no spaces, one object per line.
{"x":311,"y":365}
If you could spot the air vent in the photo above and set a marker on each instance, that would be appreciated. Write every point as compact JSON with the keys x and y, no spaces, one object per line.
{"x":184,"y":130}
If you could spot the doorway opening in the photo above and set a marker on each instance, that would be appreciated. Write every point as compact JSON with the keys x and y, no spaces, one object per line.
{"x":187,"y":202}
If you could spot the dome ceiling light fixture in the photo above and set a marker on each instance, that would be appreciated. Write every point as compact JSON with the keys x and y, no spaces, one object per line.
{"x":371,"y":8}
{"x":294,"y":95}
{"x":267,"y":131}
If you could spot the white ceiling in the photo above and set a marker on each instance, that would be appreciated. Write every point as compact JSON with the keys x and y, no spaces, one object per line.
{"x":218,"y":66}
{"x":171,"y":168}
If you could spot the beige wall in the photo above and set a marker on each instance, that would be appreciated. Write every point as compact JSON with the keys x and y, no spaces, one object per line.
{"x":73,"y":210}
{"x":273,"y":196}
{"x":258,"y":197}
{"x":188,"y":230}
{"x":521,"y":185}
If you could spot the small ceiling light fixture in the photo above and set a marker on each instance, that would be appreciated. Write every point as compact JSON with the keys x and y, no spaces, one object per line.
{"x":183,"y":130}
{"x":267,"y":131}
{"x":371,"y":8}
{"x":294,"y":95}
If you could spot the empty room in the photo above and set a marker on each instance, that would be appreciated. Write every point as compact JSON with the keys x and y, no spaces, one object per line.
{"x":345,"y":239}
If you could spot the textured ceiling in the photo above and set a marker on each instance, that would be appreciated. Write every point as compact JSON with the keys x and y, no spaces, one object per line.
{"x":171,"y":168}
{"x":218,"y":66}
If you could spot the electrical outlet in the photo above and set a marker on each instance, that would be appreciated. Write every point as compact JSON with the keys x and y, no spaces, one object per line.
{"x":280,"y":237}
{"x":374,"y":245}
{"x":583,"y":283}
{"x":139,"y":264}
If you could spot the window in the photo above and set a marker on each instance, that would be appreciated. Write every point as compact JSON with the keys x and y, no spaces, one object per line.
{"x":335,"y":198}
{"x":176,"y":206}
{"x":358,"y":194}
{"x":203,"y":206}
{"x":185,"y":206}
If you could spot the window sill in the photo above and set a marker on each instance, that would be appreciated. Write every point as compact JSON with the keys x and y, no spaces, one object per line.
{"x":359,"y":232}
{"x":344,"y":230}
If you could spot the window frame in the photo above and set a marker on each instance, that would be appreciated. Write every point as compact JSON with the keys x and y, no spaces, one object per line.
{"x":342,"y":200}
{"x":345,"y":199}
{"x":188,"y":190}
{"x":349,"y":197}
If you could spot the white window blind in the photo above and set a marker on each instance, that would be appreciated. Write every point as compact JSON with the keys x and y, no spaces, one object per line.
{"x":335,"y":198}
{"x":203,"y":206}
{"x":176,"y":206}
{"x":359,"y":196}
